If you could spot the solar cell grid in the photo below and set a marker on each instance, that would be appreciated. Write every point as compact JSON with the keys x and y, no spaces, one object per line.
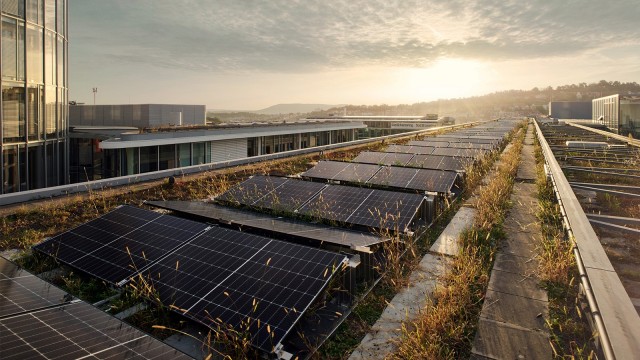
{"x":335,"y":202}
{"x":393,"y":176}
{"x":289,"y":196}
{"x":409,"y":149}
{"x":263,"y":287}
{"x":121,"y":242}
{"x":251,"y":189}
{"x":370,"y":157}
{"x":416,"y":179}
{"x":440,"y":162}
{"x":357,"y":173}
{"x":470,"y":153}
{"x":22,"y":292}
{"x":396,"y":159}
{"x":387,"y":210}
{"x":326,"y":169}
{"x":433,"y":180}
{"x":77,"y":330}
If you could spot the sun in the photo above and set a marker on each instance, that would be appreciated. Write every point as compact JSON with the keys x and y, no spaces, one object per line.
{"x":445,"y":78}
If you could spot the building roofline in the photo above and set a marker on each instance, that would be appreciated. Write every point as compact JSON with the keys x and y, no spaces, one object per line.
{"x":183,"y":137}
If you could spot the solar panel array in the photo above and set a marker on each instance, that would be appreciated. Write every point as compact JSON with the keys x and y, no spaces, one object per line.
{"x":456,"y":152}
{"x":265,"y":222}
{"x":341,"y":171}
{"x":22,"y":292}
{"x":461,"y":144}
{"x":382,"y":158}
{"x":288,"y":196}
{"x":252,"y":189}
{"x":440,"y":162}
{"x":417,"y":179}
{"x":409,"y":149}
{"x":77,"y":331}
{"x":38,"y":320}
{"x":114,"y":246}
{"x":379,"y":209}
{"x":254,"y":285}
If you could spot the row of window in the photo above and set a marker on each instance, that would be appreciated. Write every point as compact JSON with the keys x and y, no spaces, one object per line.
{"x":44,"y":62}
{"x":48,"y":13}
{"x":88,"y":162}
{"x":32,"y":167}
{"x":36,"y":113}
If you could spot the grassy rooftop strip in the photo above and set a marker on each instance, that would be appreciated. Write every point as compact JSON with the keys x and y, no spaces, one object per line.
{"x":446,"y":326}
{"x":371,"y":306}
{"x":571,"y":336}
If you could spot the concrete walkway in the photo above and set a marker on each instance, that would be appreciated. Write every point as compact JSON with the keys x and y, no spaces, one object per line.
{"x":512,"y":320}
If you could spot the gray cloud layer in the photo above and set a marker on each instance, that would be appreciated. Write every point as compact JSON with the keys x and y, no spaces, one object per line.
{"x":292,"y":36}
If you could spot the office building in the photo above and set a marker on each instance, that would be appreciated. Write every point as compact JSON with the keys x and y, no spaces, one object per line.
{"x":34,"y":94}
{"x":619,"y":113}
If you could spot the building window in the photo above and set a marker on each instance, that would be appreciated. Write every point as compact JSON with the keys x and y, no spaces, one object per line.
{"x":184,"y":155}
{"x":10,"y":169}
{"x":198,"y":153}
{"x":13,"y":7}
{"x":35,"y":11}
{"x":13,"y":113}
{"x":130,"y":161}
{"x":148,"y":159}
{"x":167,"y":157}
{"x":35,"y":107}
{"x":50,"y":14}
{"x":35,"y":43}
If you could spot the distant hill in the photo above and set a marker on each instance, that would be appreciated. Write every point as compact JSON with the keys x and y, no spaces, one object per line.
{"x":294,"y":108}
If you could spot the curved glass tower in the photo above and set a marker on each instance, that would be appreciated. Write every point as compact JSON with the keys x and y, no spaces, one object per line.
{"x":34,"y":94}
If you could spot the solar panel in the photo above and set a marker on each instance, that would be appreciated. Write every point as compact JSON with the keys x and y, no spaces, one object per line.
{"x":370,"y":157}
{"x":394,"y":176}
{"x":440,"y":162}
{"x":461,"y":145}
{"x":77,"y":331}
{"x":409,"y":149}
{"x":471,"y":153}
{"x":433,"y":144}
{"x":325,"y":170}
{"x":318,"y":233}
{"x":364,"y":207}
{"x":396,"y":159}
{"x":119,"y":243}
{"x":357,"y":173}
{"x":387,"y":210}
{"x":336,"y":202}
{"x":22,"y":292}
{"x":254,"y":285}
{"x":251,"y":189}
{"x":342,"y":171}
{"x":288,"y":196}
{"x":416,"y":179}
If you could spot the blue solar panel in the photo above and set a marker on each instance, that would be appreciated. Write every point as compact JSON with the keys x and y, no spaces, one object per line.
{"x":257,"y":286}
{"x":116,"y":245}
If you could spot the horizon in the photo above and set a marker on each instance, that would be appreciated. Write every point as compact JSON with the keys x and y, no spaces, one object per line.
{"x":228,"y":55}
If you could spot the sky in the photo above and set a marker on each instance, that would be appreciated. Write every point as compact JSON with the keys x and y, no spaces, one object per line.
{"x":248,"y":55}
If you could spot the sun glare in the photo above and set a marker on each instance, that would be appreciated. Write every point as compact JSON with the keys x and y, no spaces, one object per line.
{"x":446,"y":78}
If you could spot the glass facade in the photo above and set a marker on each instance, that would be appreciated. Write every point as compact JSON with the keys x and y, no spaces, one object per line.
{"x":34,"y":94}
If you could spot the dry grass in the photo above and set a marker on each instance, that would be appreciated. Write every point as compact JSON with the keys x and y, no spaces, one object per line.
{"x":570,"y":334}
{"x":446,"y":325}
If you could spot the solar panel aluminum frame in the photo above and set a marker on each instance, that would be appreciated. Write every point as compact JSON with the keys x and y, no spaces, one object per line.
{"x":235,"y":220}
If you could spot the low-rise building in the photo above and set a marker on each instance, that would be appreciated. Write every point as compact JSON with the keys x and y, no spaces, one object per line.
{"x":386,"y":125}
{"x":137,"y":115}
{"x":570,"y":109}
{"x":99,"y":152}
{"x":619,"y":113}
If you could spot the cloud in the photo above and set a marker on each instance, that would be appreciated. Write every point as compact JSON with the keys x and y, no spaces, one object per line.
{"x":300,"y":36}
